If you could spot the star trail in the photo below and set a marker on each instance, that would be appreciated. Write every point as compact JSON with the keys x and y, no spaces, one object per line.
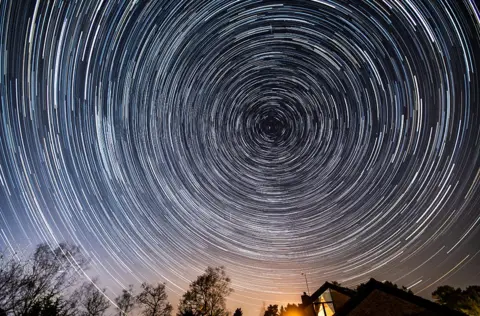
{"x":336,"y":138}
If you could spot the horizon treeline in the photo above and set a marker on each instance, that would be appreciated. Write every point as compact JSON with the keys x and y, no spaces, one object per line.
{"x":48,"y":282}
{"x":52,"y":282}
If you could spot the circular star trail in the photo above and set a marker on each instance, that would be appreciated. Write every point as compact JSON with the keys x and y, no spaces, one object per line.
{"x":336,"y":138}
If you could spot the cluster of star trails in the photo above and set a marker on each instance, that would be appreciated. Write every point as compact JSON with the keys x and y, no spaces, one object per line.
{"x":335,"y":138}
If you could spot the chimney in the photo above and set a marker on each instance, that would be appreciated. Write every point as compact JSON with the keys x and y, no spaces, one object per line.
{"x":306,"y":300}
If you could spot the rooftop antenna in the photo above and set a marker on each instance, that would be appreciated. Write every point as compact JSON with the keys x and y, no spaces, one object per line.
{"x":306,"y":282}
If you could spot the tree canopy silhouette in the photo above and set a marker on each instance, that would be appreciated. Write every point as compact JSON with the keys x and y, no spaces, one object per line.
{"x":207,"y":294}
{"x":153,"y":300}
{"x":125,"y":301}
{"x":38,"y":284}
{"x":290,"y":310}
{"x":91,"y":300}
{"x":272,"y":310}
{"x":466,"y":301}
{"x":238,"y":312}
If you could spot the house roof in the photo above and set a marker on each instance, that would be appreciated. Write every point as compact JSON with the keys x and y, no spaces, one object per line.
{"x":417,"y":300}
{"x":327,"y":285}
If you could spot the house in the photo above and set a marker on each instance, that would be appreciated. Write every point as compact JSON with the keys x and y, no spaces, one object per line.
{"x":375,"y":298}
{"x":326,"y":300}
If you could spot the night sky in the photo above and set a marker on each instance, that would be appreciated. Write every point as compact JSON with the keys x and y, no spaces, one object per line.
{"x":336,"y":138}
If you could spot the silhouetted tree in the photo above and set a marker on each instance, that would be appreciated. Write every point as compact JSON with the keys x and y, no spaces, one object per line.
{"x":272,"y":310}
{"x":238,"y":312}
{"x":290,"y":310}
{"x":11,"y":279}
{"x":39,"y":283}
{"x":91,"y":300}
{"x":207,"y":294}
{"x":125,"y":301}
{"x":466,"y":301}
{"x":447,"y":295}
{"x":153,"y":300}
{"x":471,"y":300}
{"x":51,"y":307}
{"x":186,"y":313}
